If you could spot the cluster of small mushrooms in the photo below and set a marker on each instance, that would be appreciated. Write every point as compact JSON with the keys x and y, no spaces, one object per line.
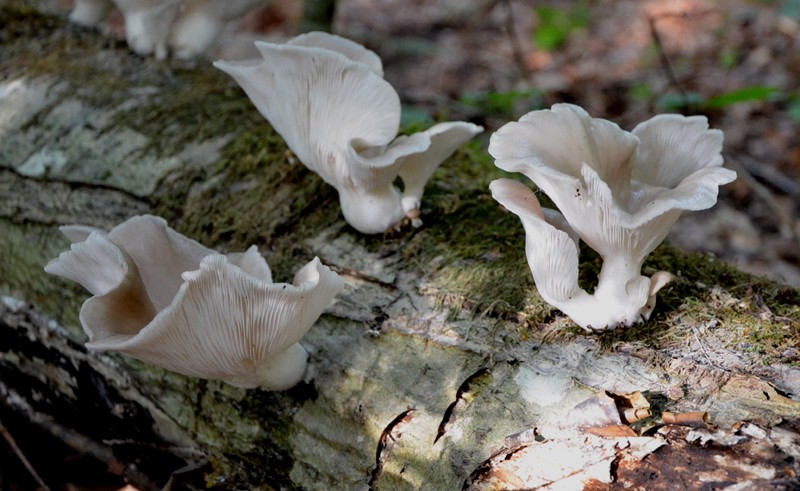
{"x":194,"y":311}
{"x":184,"y":28}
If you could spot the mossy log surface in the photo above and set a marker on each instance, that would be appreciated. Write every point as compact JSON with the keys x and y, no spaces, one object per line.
{"x":91,"y":134}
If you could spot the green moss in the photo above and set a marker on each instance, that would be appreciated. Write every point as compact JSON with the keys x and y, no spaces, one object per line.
{"x":26,"y":249}
{"x":481,"y":259}
{"x":710,"y":298}
{"x":259,"y":195}
{"x":20,"y":20}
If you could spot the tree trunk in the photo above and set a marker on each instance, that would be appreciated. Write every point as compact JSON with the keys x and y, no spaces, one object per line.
{"x":92,"y":134}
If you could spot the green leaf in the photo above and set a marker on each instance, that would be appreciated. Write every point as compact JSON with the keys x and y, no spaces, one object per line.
{"x":555,"y":25}
{"x":549,"y":37}
{"x":675,"y":102}
{"x":791,"y":9}
{"x":793,"y":110}
{"x":754,"y":93}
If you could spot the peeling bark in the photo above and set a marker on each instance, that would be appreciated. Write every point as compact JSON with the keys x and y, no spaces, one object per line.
{"x":92,"y":134}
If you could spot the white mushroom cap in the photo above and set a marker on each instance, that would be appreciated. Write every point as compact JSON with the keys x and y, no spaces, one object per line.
{"x":620,"y":192}
{"x":79,"y":233}
{"x":201,"y":22}
{"x":616,"y":189}
{"x":325,"y":106}
{"x":148,"y":24}
{"x":165,"y":299}
{"x":341,"y":118}
{"x":225,"y":324}
{"x":109,"y":274}
{"x":552,"y":254}
{"x":348,"y":48}
{"x":416,"y":169}
{"x":89,"y":13}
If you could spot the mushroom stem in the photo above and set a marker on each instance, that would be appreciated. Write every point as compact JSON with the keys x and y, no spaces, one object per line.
{"x":283,"y":370}
{"x":371,"y":211}
{"x":615,"y":274}
{"x":89,"y":13}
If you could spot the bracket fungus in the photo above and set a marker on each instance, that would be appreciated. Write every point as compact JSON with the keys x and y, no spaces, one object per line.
{"x":165,"y":299}
{"x":617,"y":191}
{"x":325,"y":95}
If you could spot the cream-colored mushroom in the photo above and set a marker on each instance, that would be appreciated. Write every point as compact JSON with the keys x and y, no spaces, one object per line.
{"x":148,"y":24}
{"x":165,"y":299}
{"x":89,"y":13}
{"x":325,"y":96}
{"x":619,"y":192}
{"x":201,"y":22}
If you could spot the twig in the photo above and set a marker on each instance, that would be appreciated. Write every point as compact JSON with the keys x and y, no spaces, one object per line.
{"x":703,"y":348}
{"x":478,"y":18}
{"x":21,"y":456}
{"x":772,"y":176}
{"x":75,"y":440}
{"x":512,"y":35}
{"x":662,"y":56}
{"x":785,"y":221}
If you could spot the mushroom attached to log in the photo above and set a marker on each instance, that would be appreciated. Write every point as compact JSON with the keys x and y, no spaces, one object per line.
{"x":617,"y":191}
{"x":326,"y":97}
{"x":89,"y":13}
{"x":201,"y":22}
{"x":165,"y":299}
{"x":187,"y":28}
{"x":148,"y":24}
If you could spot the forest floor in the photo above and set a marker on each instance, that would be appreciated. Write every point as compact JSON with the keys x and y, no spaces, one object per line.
{"x":491,"y":61}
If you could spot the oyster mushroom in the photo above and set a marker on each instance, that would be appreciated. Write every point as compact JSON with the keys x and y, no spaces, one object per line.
{"x":201,"y":23}
{"x":619,"y":192}
{"x":89,"y":13}
{"x":164,"y":299}
{"x":325,"y":96}
{"x":148,"y":24}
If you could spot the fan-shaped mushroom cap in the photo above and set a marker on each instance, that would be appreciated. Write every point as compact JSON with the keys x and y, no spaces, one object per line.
{"x":324,"y":95}
{"x":620,"y":192}
{"x":165,"y":299}
{"x":348,"y":48}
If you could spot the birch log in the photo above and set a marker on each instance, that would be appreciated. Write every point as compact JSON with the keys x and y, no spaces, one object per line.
{"x":92,"y":134}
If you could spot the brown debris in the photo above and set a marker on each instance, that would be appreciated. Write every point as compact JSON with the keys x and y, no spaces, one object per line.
{"x":464,"y":395}
{"x":581,"y":449}
{"x":727,"y":458}
{"x":386,"y":442}
{"x":593,"y":450}
{"x":696,"y":419}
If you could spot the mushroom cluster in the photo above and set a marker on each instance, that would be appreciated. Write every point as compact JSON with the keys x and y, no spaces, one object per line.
{"x":184,"y":28}
{"x":618,"y":192}
{"x":326,"y":96}
{"x":165,"y":299}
